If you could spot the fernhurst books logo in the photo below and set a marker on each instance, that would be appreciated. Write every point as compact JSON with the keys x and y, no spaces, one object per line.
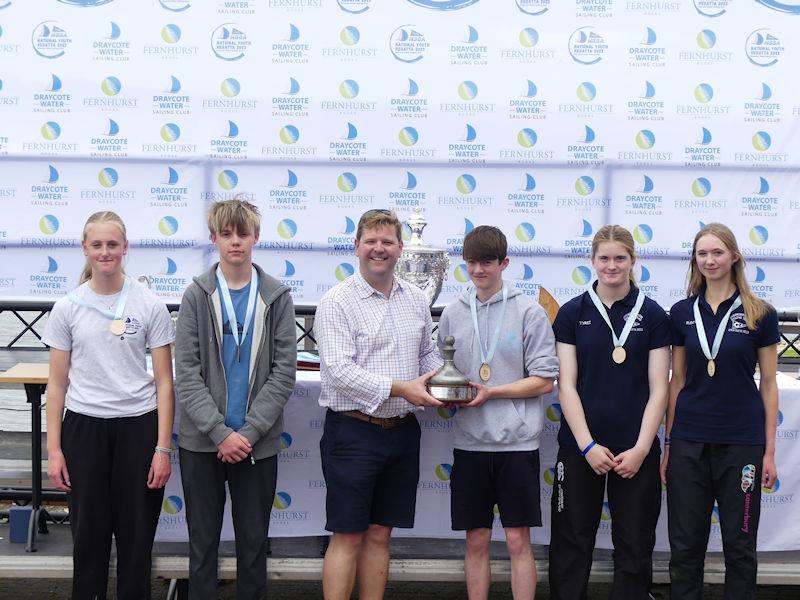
{"x":581,"y":275}
{"x":48,"y":224}
{"x":343,"y":271}
{"x":701,"y":187}
{"x":227,"y":179}
{"x":230,"y":87}
{"x":111,"y":86}
{"x":286,"y":229}
{"x":172,"y":505}
{"x":168,"y":226}
{"x":525,"y":232}
{"x":108,"y":177}
{"x":758,"y":235}
{"x":51,"y":131}
{"x":289,"y":134}
{"x":170,"y":132}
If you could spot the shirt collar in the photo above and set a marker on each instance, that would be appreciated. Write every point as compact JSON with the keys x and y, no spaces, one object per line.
{"x":365,"y":290}
{"x":628,"y":300}
{"x":723,"y":306}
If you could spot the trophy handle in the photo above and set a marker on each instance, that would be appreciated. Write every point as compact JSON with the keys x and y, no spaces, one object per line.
{"x":548,"y":303}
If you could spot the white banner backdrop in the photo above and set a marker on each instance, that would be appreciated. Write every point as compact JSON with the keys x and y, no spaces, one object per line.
{"x":299,"y":505}
{"x":548,"y":119}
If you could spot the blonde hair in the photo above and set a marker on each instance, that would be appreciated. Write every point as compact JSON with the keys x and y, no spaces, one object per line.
{"x":754,"y":308}
{"x":620,"y":235}
{"x":103,"y":216}
{"x":238,"y":214}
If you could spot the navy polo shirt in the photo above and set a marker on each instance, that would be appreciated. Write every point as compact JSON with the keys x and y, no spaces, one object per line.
{"x":726,"y":408}
{"x":613,"y":396}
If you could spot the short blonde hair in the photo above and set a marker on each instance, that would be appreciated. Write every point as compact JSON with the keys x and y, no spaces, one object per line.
{"x":237,"y":214}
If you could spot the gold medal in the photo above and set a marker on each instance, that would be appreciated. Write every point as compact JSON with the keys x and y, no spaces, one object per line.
{"x":485,"y":372}
{"x":711,"y":367}
{"x":117,"y":327}
{"x":618,"y":355}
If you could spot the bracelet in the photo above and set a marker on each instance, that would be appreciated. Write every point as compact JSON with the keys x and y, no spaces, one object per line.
{"x":591,"y":445}
{"x":666,"y":440}
{"x":163,"y":450}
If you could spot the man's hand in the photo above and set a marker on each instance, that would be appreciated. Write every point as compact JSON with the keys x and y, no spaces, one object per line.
{"x":415,"y":391}
{"x":234,"y":448}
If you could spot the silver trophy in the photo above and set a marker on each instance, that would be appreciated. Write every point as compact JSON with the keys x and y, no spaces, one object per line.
{"x":420,"y":264}
{"x":449,"y":384}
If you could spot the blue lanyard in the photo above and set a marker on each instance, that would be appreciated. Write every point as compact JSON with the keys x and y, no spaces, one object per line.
{"x":121,"y":300}
{"x":251,"y":305}
{"x":486,"y":357}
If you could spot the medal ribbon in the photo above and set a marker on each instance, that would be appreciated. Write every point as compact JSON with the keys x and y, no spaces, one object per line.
{"x":626,"y":330}
{"x":251,"y":305}
{"x":711,"y":354}
{"x":486,"y":357}
{"x":121,"y":300}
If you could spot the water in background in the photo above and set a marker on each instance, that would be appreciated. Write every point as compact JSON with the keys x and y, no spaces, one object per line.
{"x":15,"y":412}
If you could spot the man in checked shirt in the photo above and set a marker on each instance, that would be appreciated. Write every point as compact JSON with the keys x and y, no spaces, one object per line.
{"x":373,"y":332}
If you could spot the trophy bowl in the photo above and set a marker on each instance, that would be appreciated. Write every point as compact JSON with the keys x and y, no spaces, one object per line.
{"x":420,"y":264}
{"x":449,"y":384}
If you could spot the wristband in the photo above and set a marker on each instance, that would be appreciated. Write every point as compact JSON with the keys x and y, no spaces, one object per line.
{"x":163,"y":450}
{"x":666,"y":440}
{"x":591,"y":445}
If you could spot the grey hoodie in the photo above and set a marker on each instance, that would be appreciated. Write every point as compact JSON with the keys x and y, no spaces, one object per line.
{"x":201,"y":387}
{"x":526,"y":347}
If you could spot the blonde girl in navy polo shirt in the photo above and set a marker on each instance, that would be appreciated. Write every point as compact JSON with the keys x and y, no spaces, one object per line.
{"x":720,"y":426}
{"x":613,"y":349}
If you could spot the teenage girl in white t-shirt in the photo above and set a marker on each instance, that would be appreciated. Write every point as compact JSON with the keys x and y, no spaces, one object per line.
{"x":111,"y":452}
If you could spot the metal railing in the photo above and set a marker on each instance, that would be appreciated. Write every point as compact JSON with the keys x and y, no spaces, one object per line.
{"x":30,"y":315}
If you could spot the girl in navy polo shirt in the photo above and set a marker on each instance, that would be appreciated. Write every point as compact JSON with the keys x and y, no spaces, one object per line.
{"x":613,"y":349}
{"x":720,"y":425}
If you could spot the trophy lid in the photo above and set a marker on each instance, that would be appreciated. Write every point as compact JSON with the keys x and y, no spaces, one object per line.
{"x":417,"y":222}
{"x":449,"y":375}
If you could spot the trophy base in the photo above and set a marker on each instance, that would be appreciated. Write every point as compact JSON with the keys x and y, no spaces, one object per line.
{"x":452,"y":393}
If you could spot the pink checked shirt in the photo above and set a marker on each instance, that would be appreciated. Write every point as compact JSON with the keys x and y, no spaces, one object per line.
{"x":366,"y":340}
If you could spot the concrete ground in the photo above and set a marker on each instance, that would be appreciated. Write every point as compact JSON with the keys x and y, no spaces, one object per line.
{"x":46,"y":589}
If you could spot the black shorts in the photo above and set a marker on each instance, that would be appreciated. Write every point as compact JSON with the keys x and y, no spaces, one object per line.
{"x":480,"y":480}
{"x":371,"y":473}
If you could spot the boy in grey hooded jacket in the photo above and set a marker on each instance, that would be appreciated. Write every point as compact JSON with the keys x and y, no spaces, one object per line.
{"x":235,"y":362}
{"x":504,"y":343}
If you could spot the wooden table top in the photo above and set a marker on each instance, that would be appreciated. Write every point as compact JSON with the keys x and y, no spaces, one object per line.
{"x":26,"y":373}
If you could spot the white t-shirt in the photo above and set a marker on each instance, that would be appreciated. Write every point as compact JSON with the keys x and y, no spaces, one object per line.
{"x":108,"y":374}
